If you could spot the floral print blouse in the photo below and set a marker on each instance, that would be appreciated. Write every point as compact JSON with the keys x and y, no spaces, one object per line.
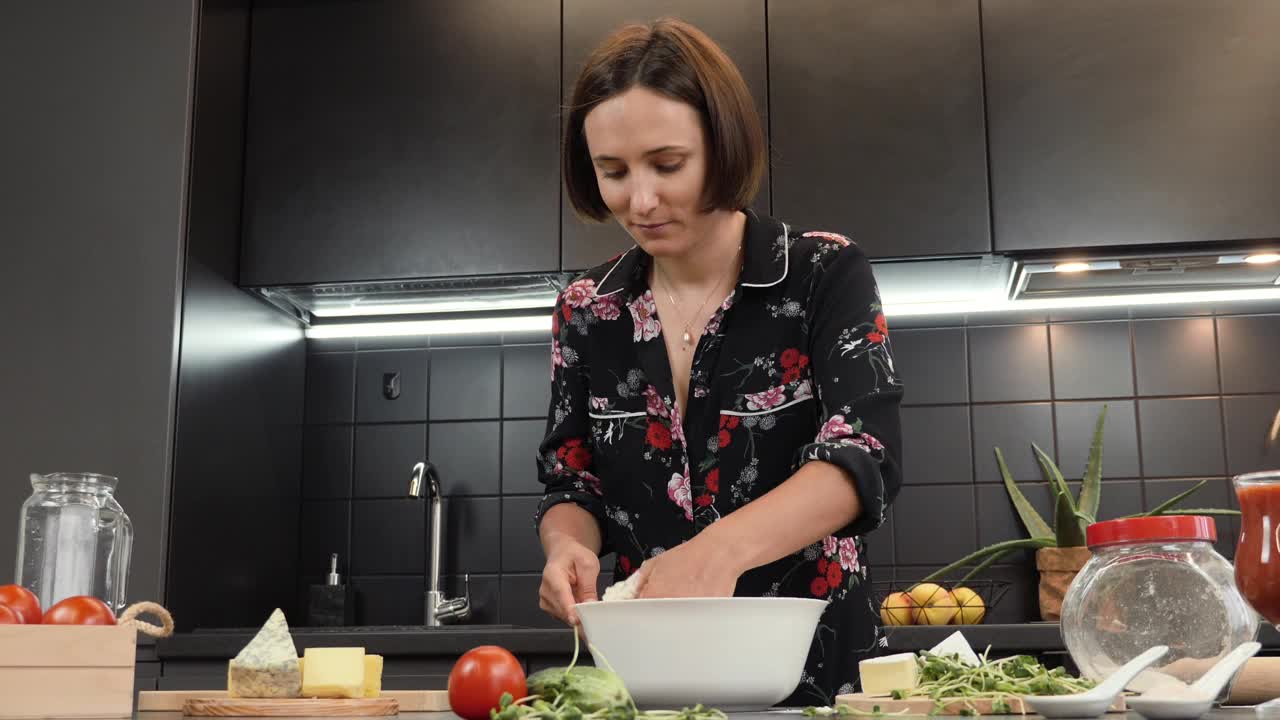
{"x":794,"y":366}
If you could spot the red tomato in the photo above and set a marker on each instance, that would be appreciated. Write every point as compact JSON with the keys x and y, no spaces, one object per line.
{"x":479,"y":678}
{"x":80,"y":610}
{"x":8,"y":616}
{"x":22,"y":602}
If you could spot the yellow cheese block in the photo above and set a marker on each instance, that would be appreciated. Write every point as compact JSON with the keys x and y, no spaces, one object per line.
{"x":372,"y":676}
{"x":883,"y":675}
{"x":333,"y":673}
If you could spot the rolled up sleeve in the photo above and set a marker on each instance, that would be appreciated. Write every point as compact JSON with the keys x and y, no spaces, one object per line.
{"x":857,"y":386}
{"x":565,"y":455}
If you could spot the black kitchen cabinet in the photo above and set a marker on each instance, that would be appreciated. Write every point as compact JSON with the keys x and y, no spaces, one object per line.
{"x":738,"y":26}
{"x":1119,"y":122}
{"x":878,"y":129}
{"x":399,"y":139}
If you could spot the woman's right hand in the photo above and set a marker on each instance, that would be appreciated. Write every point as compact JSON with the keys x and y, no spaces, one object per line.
{"x":569,"y":577}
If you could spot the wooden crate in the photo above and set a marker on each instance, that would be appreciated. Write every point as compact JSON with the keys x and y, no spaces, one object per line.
{"x":67,"y":671}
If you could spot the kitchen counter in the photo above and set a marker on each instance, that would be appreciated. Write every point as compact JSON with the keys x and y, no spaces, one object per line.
{"x":1219,"y":714}
{"x":454,"y":640}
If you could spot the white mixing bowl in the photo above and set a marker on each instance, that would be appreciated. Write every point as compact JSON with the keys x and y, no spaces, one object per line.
{"x":742,"y":653}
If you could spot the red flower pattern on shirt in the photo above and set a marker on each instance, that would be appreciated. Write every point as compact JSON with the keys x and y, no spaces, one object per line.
{"x":658,"y":436}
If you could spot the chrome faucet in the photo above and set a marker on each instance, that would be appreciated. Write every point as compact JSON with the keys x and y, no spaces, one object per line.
{"x":439,"y":610}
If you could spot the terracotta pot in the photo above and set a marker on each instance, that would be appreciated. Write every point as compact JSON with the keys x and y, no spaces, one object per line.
{"x":1058,"y":567}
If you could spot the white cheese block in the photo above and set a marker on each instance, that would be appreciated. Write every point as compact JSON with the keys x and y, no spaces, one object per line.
{"x":268,"y":666}
{"x":883,"y":675}
{"x":955,"y":644}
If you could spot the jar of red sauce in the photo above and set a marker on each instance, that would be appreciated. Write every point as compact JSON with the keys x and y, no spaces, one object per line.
{"x":1258,"y":552}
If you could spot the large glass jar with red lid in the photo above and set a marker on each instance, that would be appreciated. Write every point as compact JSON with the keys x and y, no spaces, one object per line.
{"x":1154,"y":581}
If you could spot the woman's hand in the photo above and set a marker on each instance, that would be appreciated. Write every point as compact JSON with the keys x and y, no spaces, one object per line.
{"x":569,"y":577}
{"x":692,"y":569}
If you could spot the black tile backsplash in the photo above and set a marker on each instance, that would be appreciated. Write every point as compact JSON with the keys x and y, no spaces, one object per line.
{"x":521,"y":551}
{"x":325,"y":528}
{"x":1247,"y":420}
{"x":1175,"y":357}
{"x":391,"y":386}
{"x":385,"y":457}
{"x":388,"y":600}
{"x":1247,"y":346}
{"x":1009,"y":363}
{"x":388,"y":537}
{"x":470,"y":544}
{"x":937,"y":362}
{"x":1091,"y":360}
{"x":331,"y":383}
{"x":465,"y":383}
{"x":478,"y":403}
{"x":326,"y":461}
{"x":1182,"y":436}
{"x":944,"y":429}
{"x":1012,"y":428}
{"x":941,"y":525}
{"x":520,"y":440}
{"x":1076,"y":422}
{"x":465,"y":456}
{"x":526,"y":381}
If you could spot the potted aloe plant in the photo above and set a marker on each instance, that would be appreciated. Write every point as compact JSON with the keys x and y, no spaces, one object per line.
{"x":1061,"y":550}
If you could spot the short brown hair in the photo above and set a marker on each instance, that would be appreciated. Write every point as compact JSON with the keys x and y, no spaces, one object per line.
{"x":678,"y":60}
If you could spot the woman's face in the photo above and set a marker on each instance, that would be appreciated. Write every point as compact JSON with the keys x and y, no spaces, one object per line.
{"x":649,"y":154}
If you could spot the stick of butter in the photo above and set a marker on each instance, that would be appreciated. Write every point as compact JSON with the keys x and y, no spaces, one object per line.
{"x":333,"y":672}
{"x":883,"y":675}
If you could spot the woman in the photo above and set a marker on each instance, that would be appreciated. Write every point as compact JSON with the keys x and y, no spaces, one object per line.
{"x":724,"y":411}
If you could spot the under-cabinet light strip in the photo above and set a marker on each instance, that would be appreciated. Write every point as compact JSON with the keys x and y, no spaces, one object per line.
{"x":542,"y":322}
{"x":925,"y":309}
{"x":462,"y":326}
{"x":435,"y":306}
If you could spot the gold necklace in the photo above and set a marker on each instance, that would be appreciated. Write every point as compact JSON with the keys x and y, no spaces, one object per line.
{"x":687,"y":337}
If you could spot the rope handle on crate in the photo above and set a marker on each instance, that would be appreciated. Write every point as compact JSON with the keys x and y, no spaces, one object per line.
{"x":130,"y":618}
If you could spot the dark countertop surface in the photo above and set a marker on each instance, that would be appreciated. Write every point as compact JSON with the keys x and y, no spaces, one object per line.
{"x":453,"y":640}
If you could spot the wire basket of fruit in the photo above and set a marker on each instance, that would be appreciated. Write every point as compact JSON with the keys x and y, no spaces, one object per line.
{"x":927,"y":603}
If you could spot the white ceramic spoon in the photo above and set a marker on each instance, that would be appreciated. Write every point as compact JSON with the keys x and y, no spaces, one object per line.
{"x":1094,"y":703}
{"x":1196,"y":700}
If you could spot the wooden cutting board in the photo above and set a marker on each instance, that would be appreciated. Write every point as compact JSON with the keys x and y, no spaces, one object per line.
{"x":290,"y":707}
{"x":924,"y":706}
{"x":174,"y":700}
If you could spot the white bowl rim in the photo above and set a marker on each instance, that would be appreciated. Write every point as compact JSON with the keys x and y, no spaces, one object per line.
{"x":705,"y":601}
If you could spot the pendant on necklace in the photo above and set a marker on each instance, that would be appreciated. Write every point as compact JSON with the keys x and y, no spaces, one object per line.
{"x":687,"y":338}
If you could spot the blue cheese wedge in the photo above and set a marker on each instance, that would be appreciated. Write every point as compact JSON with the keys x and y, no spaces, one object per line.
{"x":268,"y":666}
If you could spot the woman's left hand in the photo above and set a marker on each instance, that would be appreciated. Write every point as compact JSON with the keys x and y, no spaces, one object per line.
{"x":691,"y":569}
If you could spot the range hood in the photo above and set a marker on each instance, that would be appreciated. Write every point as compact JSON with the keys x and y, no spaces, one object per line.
{"x":990,"y":284}
{"x":914,"y":287}
{"x":488,"y":295}
{"x":1146,"y":273}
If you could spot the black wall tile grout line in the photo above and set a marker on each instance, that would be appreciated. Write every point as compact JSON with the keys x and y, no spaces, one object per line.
{"x":973,"y":460}
{"x":1222,"y":404}
{"x":986,"y":127}
{"x":1137,"y":415}
{"x":502,"y":401}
